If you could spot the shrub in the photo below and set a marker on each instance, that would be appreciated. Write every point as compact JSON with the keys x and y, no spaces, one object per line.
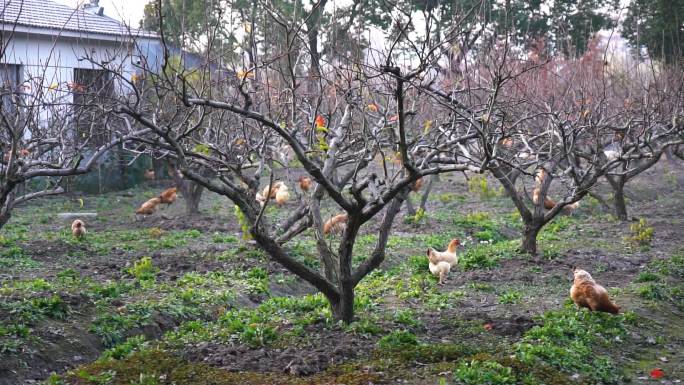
{"x":143,"y":270}
{"x":568,"y":339}
{"x":640,"y":234}
{"x":647,"y":276}
{"x":478,"y":184}
{"x":244,"y":225}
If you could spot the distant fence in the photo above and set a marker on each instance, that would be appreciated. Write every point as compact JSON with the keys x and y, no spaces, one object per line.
{"x":116,"y":170}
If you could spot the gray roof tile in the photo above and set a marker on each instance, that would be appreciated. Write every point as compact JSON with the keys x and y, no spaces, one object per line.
{"x":50,"y":15}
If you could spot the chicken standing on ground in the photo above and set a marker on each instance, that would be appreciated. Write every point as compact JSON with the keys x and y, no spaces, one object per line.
{"x":282,"y":195}
{"x":78,"y":229}
{"x":168,"y":196}
{"x":585,"y":292}
{"x":336,"y":224}
{"x":148,"y":208}
{"x":304,"y":183}
{"x":440,"y":262}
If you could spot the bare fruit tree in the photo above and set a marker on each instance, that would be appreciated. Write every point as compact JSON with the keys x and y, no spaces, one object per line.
{"x":651,"y":95}
{"x":355,"y":126}
{"x":546,"y":123}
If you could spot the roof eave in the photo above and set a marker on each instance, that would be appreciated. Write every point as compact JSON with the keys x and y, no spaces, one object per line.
{"x":53,"y":32}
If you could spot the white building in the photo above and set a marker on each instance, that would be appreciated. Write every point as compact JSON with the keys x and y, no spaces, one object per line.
{"x":63,"y":52}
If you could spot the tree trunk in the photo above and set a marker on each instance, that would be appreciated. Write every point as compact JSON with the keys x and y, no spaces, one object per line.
{"x":192,"y":197}
{"x":618,"y":185}
{"x":409,"y":208}
{"x":191,"y":190}
{"x":428,"y":189}
{"x":343,"y":307}
{"x":6,"y":203}
{"x":4,"y":218}
{"x":529,"y":242}
{"x":620,"y":206}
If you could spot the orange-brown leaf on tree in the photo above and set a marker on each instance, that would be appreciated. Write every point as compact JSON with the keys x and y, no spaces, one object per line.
{"x":242,"y":75}
{"x":320,"y":121}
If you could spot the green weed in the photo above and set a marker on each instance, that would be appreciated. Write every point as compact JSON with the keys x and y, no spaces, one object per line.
{"x":484,"y":373}
{"x":397,"y":340}
{"x":143,"y":270}
{"x":125,"y":349}
{"x":641,"y":234}
{"x":510,"y":297}
{"x":568,"y":340}
{"x":478,"y":184}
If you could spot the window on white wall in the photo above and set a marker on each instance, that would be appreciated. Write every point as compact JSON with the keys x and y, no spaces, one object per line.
{"x":11,"y":77}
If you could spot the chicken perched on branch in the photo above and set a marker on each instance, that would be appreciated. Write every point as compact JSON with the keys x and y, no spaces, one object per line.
{"x":585,"y":292}
{"x":440,"y":262}
{"x":548,"y":202}
{"x":78,"y":229}
{"x":336,"y":225}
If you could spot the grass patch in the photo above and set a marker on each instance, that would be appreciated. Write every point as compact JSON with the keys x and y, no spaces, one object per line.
{"x":569,"y":339}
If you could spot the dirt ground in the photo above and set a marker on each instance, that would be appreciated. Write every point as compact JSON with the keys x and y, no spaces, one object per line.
{"x":64,"y":302}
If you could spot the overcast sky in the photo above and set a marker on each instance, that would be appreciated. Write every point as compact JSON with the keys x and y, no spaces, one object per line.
{"x":128,"y":11}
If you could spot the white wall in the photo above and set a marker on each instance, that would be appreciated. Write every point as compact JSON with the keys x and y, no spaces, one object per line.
{"x":49,"y":61}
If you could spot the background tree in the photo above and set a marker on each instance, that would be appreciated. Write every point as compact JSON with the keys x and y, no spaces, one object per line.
{"x":557,"y":115}
{"x":656,"y":25}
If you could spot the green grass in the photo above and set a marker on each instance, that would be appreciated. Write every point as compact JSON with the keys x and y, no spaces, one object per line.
{"x":487,"y":256}
{"x":568,"y":340}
